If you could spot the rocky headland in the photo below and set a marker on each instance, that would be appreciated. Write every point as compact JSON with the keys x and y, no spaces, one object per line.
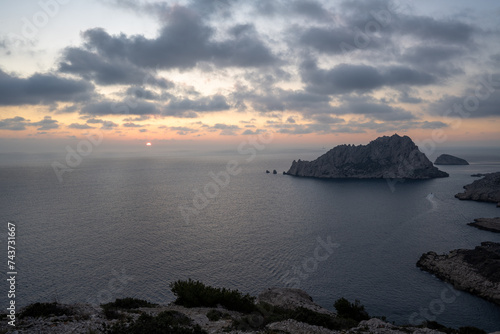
{"x":486,"y":189}
{"x":487,"y":224}
{"x":473,"y":270}
{"x":395,"y":157}
{"x":446,"y":159}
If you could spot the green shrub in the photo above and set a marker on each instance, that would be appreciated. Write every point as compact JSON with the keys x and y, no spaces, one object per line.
{"x":348,"y":310}
{"x":45,"y":310}
{"x":196,"y":294}
{"x":215,"y":315}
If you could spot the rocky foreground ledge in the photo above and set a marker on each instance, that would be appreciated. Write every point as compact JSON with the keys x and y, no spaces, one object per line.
{"x":476,"y":271}
{"x":88,"y":319}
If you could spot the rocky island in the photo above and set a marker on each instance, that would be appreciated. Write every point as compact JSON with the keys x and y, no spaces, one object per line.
{"x":392,"y":157}
{"x":486,"y":189}
{"x":474,"y":270}
{"x":446,"y":159}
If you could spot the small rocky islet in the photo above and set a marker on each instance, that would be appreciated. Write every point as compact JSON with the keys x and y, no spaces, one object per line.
{"x":447,"y":159}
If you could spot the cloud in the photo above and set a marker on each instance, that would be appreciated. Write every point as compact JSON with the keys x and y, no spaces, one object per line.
{"x":137,"y":119}
{"x":42,"y":89}
{"x":276,"y":99}
{"x":347,"y":78}
{"x":171,"y":50}
{"x":105,"y":125}
{"x":132,"y":125}
{"x":183,"y":130}
{"x":372,"y":109}
{"x":108,"y":125}
{"x":109,"y":107}
{"x":142,"y":93}
{"x":226,"y":130}
{"x":440,"y":31}
{"x":250,"y":132}
{"x":20,"y":123}
{"x":327,"y":119}
{"x":46,"y":124}
{"x":103,"y":71}
{"x":14,"y":124}
{"x":95,"y":121}
{"x":467,"y":106}
{"x":80,"y":126}
{"x":332,"y":40}
{"x":186,"y":106}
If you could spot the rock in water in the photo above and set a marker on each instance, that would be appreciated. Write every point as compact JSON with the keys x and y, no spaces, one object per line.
{"x":486,"y":189}
{"x":474,"y":270}
{"x":446,"y":159}
{"x":487,"y":224}
{"x":392,"y":157}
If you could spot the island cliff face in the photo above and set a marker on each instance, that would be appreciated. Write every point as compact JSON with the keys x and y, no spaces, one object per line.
{"x":446,"y":159}
{"x":392,"y":157}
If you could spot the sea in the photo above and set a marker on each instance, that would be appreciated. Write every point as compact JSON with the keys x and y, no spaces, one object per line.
{"x":113,"y":226}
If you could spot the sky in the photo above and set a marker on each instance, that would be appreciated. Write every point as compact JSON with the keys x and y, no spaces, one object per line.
{"x":215,"y":73}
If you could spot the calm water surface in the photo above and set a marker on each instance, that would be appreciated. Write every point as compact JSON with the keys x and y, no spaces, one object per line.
{"x":113,"y":228}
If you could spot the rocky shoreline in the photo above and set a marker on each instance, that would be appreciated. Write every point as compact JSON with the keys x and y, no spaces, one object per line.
{"x":486,"y":189}
{"x":476,"y":271}
{"x":487,"y":224}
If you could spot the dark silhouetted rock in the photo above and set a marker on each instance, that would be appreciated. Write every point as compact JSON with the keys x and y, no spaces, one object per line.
{"x":446,"y":159}
{"x":474,"y":270}
{"x":267,"y":172}
{"x":486,"y":189}
{"x":392,"y":157}
{"x":487,"y":224}
{"x":275,"y":172}
{"x":478,"y":175}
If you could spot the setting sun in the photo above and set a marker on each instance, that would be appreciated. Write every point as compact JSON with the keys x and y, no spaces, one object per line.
{"x":148,"y":144}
